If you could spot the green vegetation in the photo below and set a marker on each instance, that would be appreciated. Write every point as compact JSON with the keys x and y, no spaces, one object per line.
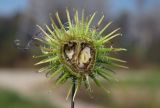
{"x":135,"y":89}
{"x":149,"y":79}
{"x":10,"y":99}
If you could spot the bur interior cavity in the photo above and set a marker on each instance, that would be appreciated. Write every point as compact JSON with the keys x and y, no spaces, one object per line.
{"x":79,"y":55}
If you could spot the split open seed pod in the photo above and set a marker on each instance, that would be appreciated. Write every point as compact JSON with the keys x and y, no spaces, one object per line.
{"x":77,"y":51}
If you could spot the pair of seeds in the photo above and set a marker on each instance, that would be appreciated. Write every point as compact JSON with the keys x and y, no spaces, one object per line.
{"x":79,"y":54}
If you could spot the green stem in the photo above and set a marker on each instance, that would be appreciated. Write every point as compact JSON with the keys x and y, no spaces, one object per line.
{"x":73,"y":91}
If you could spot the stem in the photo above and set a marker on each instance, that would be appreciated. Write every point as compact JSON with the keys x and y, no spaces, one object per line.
{"x":73,"y":91}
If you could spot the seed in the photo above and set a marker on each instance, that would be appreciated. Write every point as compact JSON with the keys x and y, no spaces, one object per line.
{"x":85,"y":56}
{"x":69,"y":53}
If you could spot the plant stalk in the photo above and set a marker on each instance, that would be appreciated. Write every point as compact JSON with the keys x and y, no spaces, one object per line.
{"x":73,"y":91}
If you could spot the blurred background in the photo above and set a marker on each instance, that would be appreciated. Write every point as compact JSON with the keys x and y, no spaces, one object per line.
{"x":139,"y":86}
